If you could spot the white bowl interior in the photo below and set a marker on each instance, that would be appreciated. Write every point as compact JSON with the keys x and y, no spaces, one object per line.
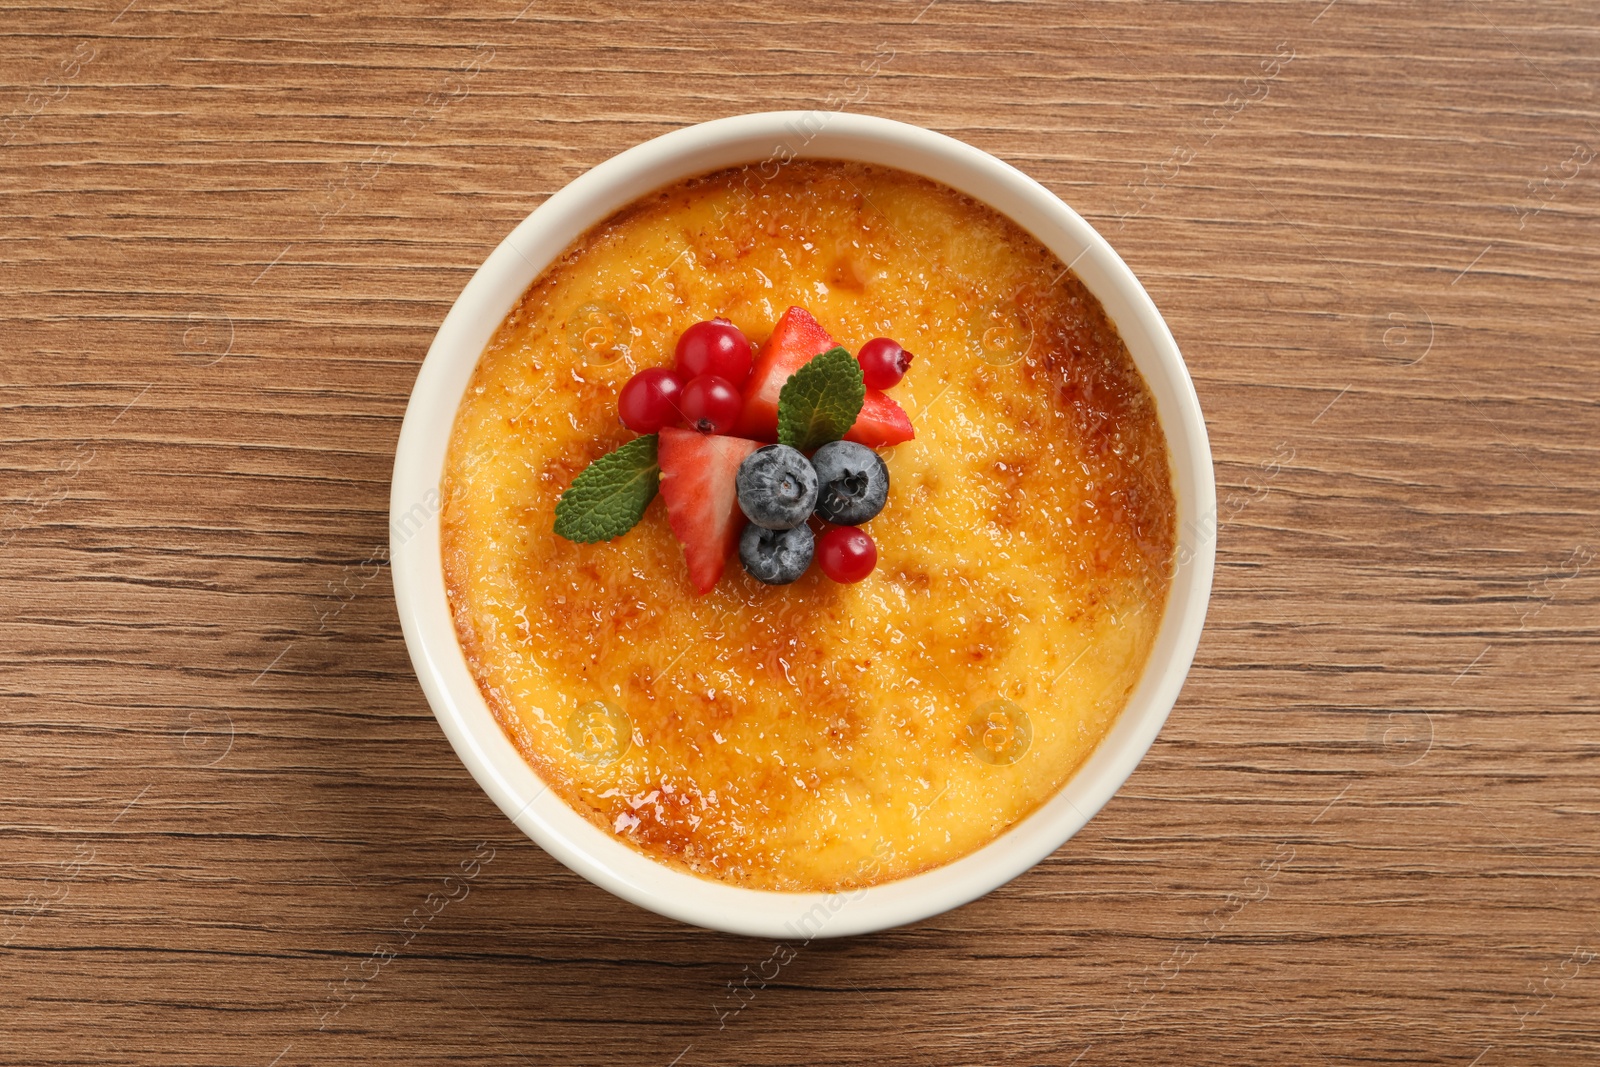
{"x":417,"y":568}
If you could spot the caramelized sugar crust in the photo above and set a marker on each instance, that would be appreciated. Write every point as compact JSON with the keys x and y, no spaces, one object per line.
{"x":817,"y":736}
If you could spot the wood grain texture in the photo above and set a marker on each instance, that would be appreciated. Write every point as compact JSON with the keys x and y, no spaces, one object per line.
{"x":1368,"y":833}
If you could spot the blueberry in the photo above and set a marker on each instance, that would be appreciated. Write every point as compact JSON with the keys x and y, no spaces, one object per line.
{"x":854,"y":482}
{"x":776,"y":557}
{"x":777,"y":487}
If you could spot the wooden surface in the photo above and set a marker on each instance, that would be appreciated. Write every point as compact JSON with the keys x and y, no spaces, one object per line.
{"x":1370,"y":832}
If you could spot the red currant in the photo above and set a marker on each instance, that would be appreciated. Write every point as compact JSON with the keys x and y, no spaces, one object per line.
{"x":711,"y":404}
{"x":650,"y":400}
{"x":883,"y":362}
{"x":714,"y":347}
{"x":847,"y":554}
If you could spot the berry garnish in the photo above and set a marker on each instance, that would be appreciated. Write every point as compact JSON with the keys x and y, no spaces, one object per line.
{"x":776,"y":557}
{"x":883,"y":362}
{"x":714,"y":347}
{"x":777,"y":488}
{"x":710,"y":404}
{"x":650,"y":400}
{"x":846,"y":553}
{"x":726,"y":491}
{"x":852,"y":482}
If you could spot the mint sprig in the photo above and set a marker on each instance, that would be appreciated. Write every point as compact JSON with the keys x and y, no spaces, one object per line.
{"x":820,"y":401}
{"x":608,"y":497}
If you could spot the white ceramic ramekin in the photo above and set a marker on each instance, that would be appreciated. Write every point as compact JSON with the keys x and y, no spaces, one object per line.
{"x":770,"y":140}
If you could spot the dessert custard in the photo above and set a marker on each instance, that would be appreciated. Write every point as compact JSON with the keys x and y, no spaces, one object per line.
{"x":817,"y":735}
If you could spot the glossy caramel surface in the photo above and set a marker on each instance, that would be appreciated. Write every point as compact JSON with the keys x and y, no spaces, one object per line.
{"x":817,"y":736}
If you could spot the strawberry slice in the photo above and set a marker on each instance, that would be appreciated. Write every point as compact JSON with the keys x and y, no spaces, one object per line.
{"x":882,"y":422}
{"x":795,"y":339}
{"x":697,"y":484}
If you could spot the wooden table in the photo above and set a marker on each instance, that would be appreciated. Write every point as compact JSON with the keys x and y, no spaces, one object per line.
{"x":1369,"y":831}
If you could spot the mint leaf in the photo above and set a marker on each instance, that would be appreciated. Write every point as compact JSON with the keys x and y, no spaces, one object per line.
{"x":820,"y":401}
{"x":609,"y":496}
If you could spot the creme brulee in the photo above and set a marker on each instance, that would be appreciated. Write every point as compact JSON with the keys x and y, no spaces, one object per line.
{"x":817,"y":736}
